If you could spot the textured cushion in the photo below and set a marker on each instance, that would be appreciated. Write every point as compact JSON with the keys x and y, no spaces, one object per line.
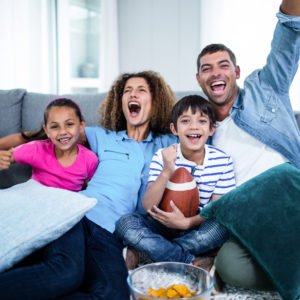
{"x":33,"y":215}
{"x":35,"y":104}
{"x":10,"y":111}
{"x":264,"y":214}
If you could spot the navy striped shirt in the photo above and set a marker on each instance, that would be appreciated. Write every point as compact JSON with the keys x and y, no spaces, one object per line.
{"x":215,"y":176}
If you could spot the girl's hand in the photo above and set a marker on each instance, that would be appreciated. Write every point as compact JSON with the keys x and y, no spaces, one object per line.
{"x":6,"y":159}
{"x":174,"y":219}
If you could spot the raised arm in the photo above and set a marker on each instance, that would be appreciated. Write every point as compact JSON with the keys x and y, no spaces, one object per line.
{"x":11,"y":141}
{"x":290,"y":7}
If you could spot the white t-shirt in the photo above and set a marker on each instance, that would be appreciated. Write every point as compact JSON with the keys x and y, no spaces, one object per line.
{"x":250,"y":156}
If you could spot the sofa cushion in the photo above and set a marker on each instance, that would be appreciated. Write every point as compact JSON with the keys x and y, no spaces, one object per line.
{"x":264,"y":216}
{"x":33,"y":215}
{"x":10,"y":111}
{"x":35,"y":104}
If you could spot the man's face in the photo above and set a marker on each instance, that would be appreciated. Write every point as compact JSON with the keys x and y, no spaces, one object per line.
{"x":217,"y":77}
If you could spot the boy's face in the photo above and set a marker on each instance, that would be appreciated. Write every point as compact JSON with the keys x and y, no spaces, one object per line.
{"x":193,"y":130}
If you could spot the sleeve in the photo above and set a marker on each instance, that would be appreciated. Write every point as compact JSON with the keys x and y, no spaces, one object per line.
{"x":285,"y":50}
{"x":156,"y":166}
{"x":226,"y":181}
{"x":25,"y":154}
{"x":92,"y":166}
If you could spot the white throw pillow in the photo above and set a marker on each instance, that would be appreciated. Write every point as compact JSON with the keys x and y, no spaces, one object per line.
{"x":32,"y":215}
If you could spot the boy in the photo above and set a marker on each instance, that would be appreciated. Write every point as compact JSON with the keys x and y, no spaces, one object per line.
{"x":170,"y":236}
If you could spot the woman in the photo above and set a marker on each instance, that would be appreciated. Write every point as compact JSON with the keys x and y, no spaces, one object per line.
{"x":135,"y":124}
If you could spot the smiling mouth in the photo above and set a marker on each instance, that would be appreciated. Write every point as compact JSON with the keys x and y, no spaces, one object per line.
{"x":194,"y":136}
{"x":218,"y":86}
{"x":134,"y":108}
{"x":64,"y":140}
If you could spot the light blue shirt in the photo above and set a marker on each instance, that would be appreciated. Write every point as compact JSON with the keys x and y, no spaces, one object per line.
{"x":120,"y":180}
{"x":263,"y":108}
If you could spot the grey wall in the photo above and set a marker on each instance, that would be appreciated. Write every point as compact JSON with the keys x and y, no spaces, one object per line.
{"x":162,"y":35}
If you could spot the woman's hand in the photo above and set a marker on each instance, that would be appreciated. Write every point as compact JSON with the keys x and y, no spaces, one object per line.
{"x":6,"y":158}
{"x":174,"y":219}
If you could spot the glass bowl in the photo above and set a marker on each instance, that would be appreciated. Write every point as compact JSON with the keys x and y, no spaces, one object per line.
{"x":165,"y":274}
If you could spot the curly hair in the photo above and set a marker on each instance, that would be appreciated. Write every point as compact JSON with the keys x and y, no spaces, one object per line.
{"x":163,"y":100}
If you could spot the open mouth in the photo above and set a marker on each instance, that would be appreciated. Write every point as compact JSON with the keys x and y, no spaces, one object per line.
{"x":134,"y":108}
{"x":218,"y":86}
{"x":194,"y":137}
{"x":64,"y":140}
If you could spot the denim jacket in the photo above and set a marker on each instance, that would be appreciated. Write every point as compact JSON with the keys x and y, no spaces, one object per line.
{"x":263,"y":107}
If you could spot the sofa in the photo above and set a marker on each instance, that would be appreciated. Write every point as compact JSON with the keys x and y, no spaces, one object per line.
{"x":21,"y":110}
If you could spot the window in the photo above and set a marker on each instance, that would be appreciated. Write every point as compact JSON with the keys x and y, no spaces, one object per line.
{"x":78,"y":43}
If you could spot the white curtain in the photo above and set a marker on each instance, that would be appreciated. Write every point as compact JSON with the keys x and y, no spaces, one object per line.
{"x":24,"y":58}
{"x":109,"y":56}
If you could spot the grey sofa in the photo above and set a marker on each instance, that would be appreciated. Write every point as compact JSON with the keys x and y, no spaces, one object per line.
{"x":21,"y":110}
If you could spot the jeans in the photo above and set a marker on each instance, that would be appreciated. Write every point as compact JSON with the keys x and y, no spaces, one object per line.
{"x":160,"y":243}
{"x":49,"y":273}
{"x":106,"y":272}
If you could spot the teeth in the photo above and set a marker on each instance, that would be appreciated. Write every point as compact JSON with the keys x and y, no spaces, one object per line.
{"x":133,"y":103}
{"x":218,"y":83}
{"x":194,"y":135}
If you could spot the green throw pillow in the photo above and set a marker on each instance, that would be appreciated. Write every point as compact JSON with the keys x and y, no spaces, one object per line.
{"x":264,"y":214}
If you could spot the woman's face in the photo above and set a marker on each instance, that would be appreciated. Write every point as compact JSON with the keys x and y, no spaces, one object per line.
{"x":137,"y":102}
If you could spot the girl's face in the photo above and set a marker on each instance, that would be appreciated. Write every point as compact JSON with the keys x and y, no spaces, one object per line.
{"x":63,"y":128}
{"x":137,"y":102}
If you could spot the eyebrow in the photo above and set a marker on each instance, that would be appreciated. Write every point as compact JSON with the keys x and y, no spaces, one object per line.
{"x":219,"y":62}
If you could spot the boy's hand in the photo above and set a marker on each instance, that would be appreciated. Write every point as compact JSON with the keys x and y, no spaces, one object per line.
{"x":169,"y":155}
{"x":6,"y":159}
{"x":174,"y":219}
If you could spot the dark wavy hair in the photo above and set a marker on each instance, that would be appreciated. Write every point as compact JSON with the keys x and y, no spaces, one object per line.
{"x":163,"y":100}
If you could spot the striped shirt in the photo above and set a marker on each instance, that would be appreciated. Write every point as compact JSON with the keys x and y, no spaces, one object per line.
{"x":215,"y":176}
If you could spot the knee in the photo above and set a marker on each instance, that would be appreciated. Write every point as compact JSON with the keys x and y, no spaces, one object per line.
{"x":237,"y":267}
{"x":127,"y":226}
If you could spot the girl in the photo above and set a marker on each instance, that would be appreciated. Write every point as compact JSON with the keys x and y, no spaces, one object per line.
{"x":59,"y":160}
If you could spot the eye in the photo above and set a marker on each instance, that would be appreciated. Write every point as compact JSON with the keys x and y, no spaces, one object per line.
{"x":184,"y":121}
{"x":205,"y":69}
{"x":225,"y":66}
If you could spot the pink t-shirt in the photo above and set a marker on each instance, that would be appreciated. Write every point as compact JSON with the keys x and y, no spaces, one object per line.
{"x":47,"y":170}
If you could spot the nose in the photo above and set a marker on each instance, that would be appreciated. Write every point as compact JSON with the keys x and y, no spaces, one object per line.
{"x":133,"y":93}
{"x":62,"y":130}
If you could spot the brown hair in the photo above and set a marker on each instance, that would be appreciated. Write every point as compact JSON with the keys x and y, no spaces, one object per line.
{"x":163,"y":99}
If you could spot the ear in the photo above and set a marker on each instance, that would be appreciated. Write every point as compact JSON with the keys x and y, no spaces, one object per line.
{"x":45,"y":129}
{"x":212,"y":130}
{"x":82,"y":127}
{"x":237,"y":72}
{"x":173,"y":129}
{"x":198,"y":78}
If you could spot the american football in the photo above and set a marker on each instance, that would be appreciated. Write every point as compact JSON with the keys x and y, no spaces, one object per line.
{"x":182,"y":189}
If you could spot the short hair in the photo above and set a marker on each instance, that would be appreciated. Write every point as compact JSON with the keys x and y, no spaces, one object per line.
{"x":163,"y":100}
{"x":195,"y":103}
{"x":213,"y":48}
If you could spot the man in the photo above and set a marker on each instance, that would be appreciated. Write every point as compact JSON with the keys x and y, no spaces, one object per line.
{"x":256,"y":125}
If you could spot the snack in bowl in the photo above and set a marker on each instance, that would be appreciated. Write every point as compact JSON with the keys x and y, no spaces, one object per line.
{"x":183,"y":191}
{"x":170,"y":280}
